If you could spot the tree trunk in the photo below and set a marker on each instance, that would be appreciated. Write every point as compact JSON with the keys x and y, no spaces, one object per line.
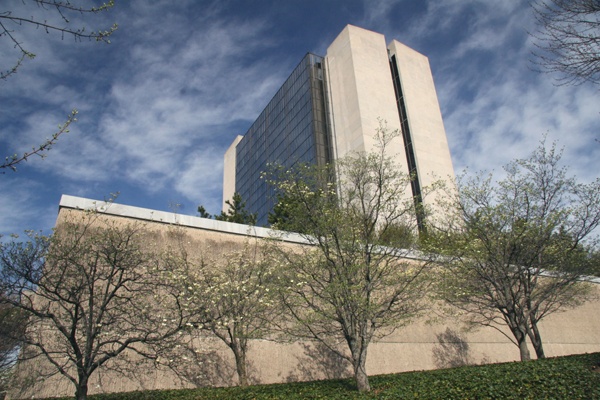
{"x":81,"y":389}
{"x":361,"y":377}
{"x":239,"y":352}
{"x":523,"y":349}
{"x":359,"y":360}
{"x":536,"y":340}
{"x":520,"y":332}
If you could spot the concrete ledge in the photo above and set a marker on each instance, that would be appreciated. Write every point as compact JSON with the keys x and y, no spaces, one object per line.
{"x":146,"y":214}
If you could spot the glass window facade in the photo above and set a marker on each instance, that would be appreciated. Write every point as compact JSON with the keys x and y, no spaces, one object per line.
{"x":291,"y":129}
{"x":408,"y":143}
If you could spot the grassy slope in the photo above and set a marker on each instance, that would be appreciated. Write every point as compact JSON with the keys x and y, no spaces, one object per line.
{"x":572,"y":377}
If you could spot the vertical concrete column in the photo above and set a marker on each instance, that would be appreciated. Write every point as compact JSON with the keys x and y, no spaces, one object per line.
{"x":229,"y":165}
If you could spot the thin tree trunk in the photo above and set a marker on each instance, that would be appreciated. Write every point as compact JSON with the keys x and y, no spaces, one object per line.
{"x":81,"y":389}
{"x":536,"y":340}
{"x":359,"y":358}
{"x":239,"y":352}
{"x":361,"y":377}
{"x":523,"y":349}
{"x":520,"y":334}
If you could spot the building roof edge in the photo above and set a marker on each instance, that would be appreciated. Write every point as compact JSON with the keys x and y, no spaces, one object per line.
{"x":146,"y":214}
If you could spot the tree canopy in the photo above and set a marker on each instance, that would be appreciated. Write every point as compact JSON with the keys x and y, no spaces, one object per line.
{"x":236,"y":212}
{"x":515,"y":251}
{"x":568,"y":39}
{"x":350,"y":284}
{"x":231,"y":295}
{"x":91,"y":292}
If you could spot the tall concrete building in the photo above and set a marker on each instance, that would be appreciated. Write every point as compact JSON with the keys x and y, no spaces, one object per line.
{"x":331,"y":106}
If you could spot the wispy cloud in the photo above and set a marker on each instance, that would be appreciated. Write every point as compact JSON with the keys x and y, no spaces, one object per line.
{"x":174,"y":87}
{"x":161,"y":104}
{"x":17,"y":197}
{"x":495,"y":108}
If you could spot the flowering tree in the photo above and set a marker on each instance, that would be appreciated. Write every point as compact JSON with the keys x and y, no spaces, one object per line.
{"x":515,"y":252}
{"x":352,"y":281}
{"x":91,"y":292}
{"x":230,"y":294}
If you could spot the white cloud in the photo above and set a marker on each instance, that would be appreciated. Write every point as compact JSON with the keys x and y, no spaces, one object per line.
{"x":495,"y":108}
{"x":201,"y":179}
{"x":18,"y":197}
{"x":176,"y":90}
{"x":160,"y":105}
{"x":376,"y":12}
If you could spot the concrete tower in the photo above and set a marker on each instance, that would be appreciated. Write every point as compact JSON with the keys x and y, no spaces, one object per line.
{"x":331,"y":106}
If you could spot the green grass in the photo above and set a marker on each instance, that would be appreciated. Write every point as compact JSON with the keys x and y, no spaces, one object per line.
{"x":571,"y":377}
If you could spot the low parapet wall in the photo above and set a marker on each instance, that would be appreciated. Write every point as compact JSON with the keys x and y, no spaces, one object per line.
{"x":415,"y":347}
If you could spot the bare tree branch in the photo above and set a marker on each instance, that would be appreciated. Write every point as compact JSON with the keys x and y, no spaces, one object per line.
{"x":10,"y":24}
{"x":91,"y":293}
{"x":60,"y":7}
{"x":41,"y":150}
{"x":568,"y":40}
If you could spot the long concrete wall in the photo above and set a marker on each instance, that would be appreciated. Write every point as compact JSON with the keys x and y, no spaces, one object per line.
{"x":407,"y":349}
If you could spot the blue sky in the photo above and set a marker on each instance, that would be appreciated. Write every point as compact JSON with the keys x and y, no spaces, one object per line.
{"x":159,"y":106}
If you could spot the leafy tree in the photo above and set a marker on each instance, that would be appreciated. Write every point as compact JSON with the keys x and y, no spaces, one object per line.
{"x":399,"y":235}
{"x":281,"y":216}
{"x":11,"y":331}
{"x":515,"y":252}
{"x":594,"y":261}
{"x":203,"y":213}
{"x":91,"y":293}
{"x":235,"y":213}
{"x":568,"y":39}
{"x":231,"y":295}
{"x":350,"y":284}
{"x":66,"y":11}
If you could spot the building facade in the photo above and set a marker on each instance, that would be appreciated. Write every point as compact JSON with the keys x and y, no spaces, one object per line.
{"x":332,"y":106}
{"x":408,"y":348}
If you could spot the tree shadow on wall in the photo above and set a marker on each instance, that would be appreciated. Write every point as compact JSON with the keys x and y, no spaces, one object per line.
{"x":453,"y":351}
{"x":184,"y":365}
{"x":25,"y":376}
{"x":203,"y":367}
{"x":319,"y":362}
{"x":209,"y":369}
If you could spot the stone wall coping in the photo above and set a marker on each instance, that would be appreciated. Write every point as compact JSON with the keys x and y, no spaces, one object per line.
{"x":146,"y":214}
{"x":171,"y":218}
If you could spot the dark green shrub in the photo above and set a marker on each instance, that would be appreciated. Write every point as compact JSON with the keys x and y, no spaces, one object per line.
{"x":571,"y":377}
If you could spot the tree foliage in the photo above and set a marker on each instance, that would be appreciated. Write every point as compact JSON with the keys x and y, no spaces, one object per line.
{"x":236,"y":212}
{"x":284,"y":215}
{"x":349,"y":284}
{"x":515,"y":252}
{"x":55,"y":17}
{"x":11,"y":331}
{"x":203,"y":213}
{"x":568,"y":39}
{"x":280,"y":216}
{"x":91,"y":292}
{"x":230,"y":294}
